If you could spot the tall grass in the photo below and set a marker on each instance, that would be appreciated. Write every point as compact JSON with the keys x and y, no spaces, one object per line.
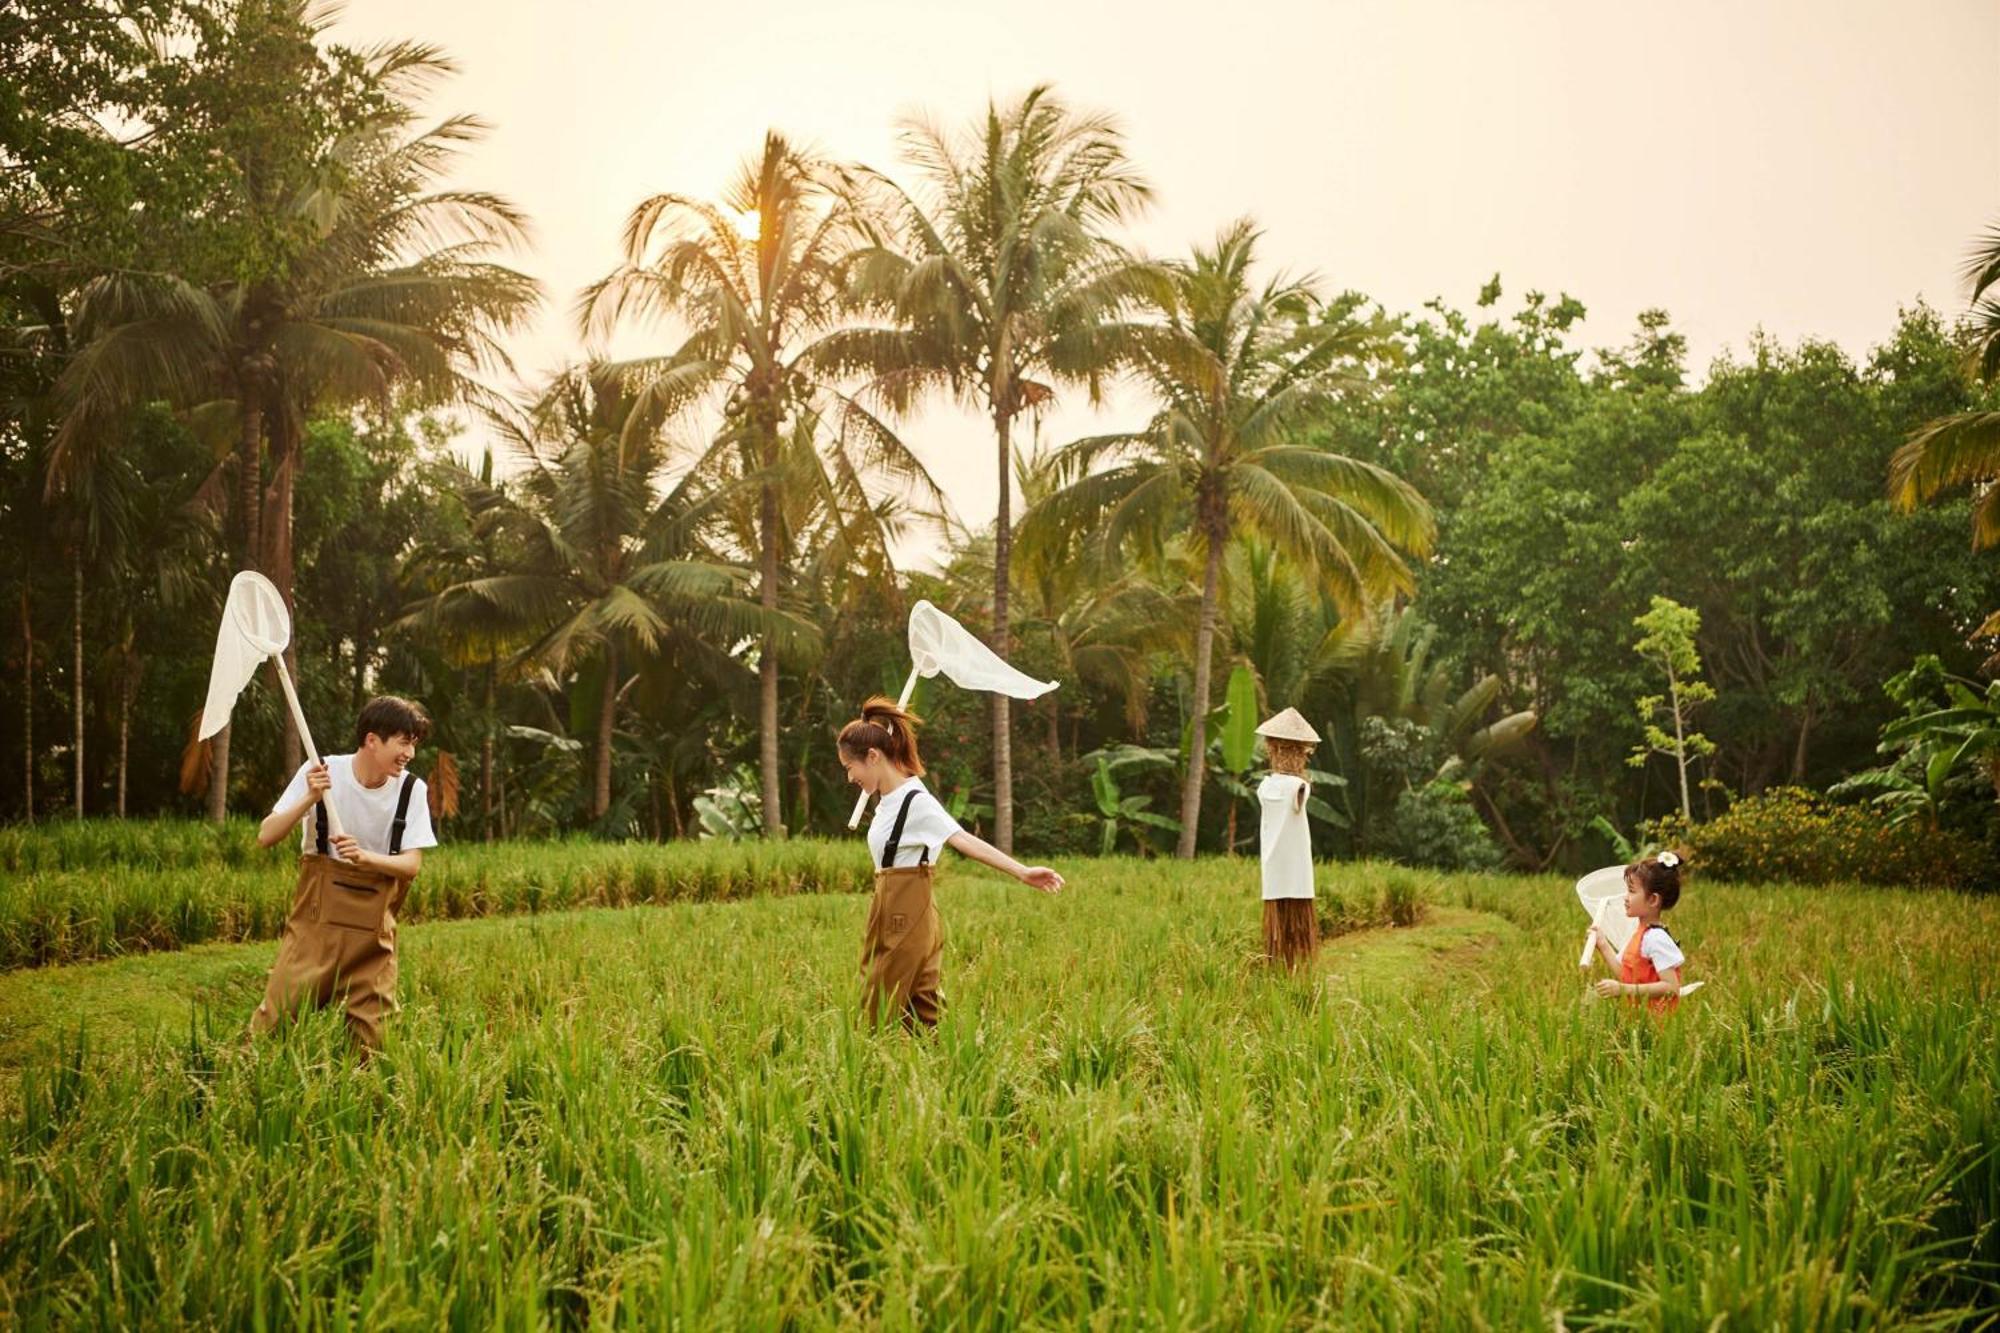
{"x":162,"y":885}
{"x":70,"y":916}
{"x":146,"y":844}
{"x":667,"y":1118}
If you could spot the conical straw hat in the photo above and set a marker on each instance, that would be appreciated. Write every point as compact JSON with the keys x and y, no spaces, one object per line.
{"x":1289,"y":726}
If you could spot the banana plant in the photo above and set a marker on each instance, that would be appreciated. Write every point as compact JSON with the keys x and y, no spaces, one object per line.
{"x":1939,"y":753}
{"x":1118,"y":813}
{"x":1237,"y":740}
{"x":964,"y":809}
{"x":732,"y":810}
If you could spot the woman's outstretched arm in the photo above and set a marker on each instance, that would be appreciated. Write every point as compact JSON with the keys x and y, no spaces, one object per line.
{"x":984,"y":852}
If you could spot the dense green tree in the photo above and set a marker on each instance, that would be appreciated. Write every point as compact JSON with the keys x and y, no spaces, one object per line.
{"x":333,"y":270}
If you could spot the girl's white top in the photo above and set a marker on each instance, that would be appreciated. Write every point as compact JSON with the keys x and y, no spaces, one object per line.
{"x":1658,"y":948}
{"x":365,"y":812}
{"x":1287,"y":842}
{"x":929,"y":826}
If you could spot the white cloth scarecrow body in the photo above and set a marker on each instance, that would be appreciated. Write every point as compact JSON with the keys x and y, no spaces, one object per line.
{"x":1285,"y":838}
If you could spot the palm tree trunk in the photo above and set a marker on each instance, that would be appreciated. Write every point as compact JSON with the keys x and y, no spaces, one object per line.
{"x":276,"y":557}
{"x":600,"y":794}
{"x":124,"y":733}
{"x":250,"y":470}
{"x":249,"y":491}
{"x":1003,"y":554}
{"x":76,"y":663}
{"x":767,"y":657}
{"x":1204,"y":642}
{"x":27,"y":702}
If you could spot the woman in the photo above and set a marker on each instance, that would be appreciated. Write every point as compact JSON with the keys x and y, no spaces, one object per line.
{"x":904,"y":944}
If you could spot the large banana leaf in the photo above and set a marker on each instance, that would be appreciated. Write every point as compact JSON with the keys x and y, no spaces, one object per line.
{"x":1239,"y":729}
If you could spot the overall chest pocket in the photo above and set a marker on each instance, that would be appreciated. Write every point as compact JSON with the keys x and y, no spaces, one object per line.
{"x":353,"y":903}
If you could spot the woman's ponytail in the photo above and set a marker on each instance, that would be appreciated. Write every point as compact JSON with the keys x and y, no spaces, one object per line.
{"x":887,"y":726}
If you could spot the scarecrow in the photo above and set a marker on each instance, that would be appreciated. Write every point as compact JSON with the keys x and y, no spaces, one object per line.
{"x":1291,"y":930}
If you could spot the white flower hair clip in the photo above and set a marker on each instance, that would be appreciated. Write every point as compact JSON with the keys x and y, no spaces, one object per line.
{"x":1669,"y":859}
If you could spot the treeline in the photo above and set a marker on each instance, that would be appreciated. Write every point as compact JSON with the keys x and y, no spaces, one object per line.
{"x":246,"y":319}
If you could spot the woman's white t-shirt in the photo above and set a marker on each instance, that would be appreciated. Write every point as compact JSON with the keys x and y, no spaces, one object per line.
{"x":928,"y":828}
{"x":365,"y":812}
{"x":1286,"y":841}
{"x":1658,"y":948}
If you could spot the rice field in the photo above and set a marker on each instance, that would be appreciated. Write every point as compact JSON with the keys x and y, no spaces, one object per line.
{"x":664,"y":1116}
{"x":100,"y":893}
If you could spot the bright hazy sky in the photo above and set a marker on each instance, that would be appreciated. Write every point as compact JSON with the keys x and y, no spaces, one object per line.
{"x":1803,"y":166}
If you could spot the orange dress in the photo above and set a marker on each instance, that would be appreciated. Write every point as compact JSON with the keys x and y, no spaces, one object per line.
{"x":1635,"y":968}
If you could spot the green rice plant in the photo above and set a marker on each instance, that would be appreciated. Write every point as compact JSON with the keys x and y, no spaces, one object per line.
{"x":146,"y":844}
{"x":668,"y":1117}
{"x":117,"y":907}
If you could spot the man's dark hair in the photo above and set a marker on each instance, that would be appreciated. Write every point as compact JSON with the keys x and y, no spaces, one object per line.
{"x":389,"y":715}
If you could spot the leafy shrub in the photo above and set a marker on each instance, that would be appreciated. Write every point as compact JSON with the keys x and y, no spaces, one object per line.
{"x":1435,"y":826}
{"x":1789,"y":833}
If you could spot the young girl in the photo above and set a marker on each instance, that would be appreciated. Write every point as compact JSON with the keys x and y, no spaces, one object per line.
{"x":904,"y":943}
{"x":1651,"y":964}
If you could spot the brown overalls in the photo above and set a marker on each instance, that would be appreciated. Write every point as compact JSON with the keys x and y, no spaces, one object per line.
{"x":340,"y":939}
{"x":903,"y":950}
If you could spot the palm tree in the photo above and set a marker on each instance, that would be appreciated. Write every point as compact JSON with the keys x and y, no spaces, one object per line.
{"x":840,"y":532}
{"x":608,"y":569}
{"x":1963,"y":448}
{"x":755,"y":281}
{"x":1104,"y":617}
{"x":1002,"y":286}
{"x":395,"y":286}
{"x":1238,"y":370}
{"x":464,"y":543}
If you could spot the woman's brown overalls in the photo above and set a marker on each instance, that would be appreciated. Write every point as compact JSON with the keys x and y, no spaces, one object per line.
{"x":903,"y":950}
{"x":340,"y":939}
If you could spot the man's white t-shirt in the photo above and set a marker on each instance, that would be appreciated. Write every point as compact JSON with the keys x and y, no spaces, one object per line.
{"x":928,"y":828}
{"x":1284,"y":837}
{"x":365,"y":812}
{"x":1658,"y":948}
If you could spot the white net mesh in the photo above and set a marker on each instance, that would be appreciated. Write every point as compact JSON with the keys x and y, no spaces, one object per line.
{"x":255,"y":626}
{"x":940,"y":644}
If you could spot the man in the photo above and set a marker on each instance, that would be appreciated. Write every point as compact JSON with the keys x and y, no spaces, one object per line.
{"x":340,"y":939}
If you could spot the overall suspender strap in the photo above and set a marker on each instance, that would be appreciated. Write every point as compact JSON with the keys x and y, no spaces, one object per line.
{"x":896,"y":837}
{"x":403,"y":818}
{"x":402,"y":813}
